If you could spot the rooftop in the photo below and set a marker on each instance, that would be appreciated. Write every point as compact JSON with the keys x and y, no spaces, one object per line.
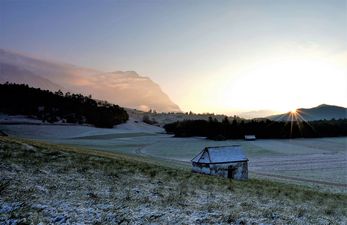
{"x":220,"y":154}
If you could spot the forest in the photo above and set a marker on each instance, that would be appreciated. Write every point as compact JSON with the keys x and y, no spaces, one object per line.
{"x":20,"y":99}
{"x":264,"y":129}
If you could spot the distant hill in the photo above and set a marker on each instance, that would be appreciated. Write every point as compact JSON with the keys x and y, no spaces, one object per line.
{"x":124,"y":88}
{"x":256,"y":114}
{"x":320,"y":112}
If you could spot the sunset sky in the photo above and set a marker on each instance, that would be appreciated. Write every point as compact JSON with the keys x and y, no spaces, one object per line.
{"x":208,"y":56}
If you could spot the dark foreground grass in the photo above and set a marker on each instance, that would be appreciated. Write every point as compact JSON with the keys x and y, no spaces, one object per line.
{"x":56,"y":184}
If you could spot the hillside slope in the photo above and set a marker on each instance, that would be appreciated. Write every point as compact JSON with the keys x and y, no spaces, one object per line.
{"x":52,"y":184}
{"x":124,"y":88}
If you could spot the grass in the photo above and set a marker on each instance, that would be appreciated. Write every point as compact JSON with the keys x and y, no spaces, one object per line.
{"x":270,"y":157}
{"x":112,"y":136}
{"x":50,"y":183}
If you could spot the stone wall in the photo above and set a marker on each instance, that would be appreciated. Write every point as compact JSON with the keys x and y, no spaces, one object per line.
{"x":235,"y":170}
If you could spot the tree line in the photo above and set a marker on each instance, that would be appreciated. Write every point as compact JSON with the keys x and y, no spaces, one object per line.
{"x":20,"y":99}
{"x":237,"y":129}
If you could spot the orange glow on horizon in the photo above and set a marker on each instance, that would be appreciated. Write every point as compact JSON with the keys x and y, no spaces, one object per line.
{"x":293,"y":111}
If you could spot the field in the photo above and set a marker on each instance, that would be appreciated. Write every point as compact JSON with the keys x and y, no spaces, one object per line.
{"x":317,"y":163}
{"x":44,"y":183}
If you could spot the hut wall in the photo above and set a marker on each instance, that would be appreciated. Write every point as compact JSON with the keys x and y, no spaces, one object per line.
{"x":236,"y":170}
{"x":242,"y":171}
{"x":201,"y":168}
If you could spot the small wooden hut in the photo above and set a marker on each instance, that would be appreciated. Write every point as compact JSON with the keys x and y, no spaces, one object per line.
{"x":226,"y":161}
{"x":250,"y":137}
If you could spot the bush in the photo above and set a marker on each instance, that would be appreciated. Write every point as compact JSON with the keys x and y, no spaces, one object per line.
{"x":148,"y":120}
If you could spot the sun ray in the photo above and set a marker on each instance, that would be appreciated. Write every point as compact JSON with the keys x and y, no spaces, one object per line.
{"x":291,"y":124}
{"x":306,"y":121}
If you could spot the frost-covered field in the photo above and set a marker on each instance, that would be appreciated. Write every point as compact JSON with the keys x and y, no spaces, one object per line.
{"x":320,"y":163}
{"x":52,"y":184}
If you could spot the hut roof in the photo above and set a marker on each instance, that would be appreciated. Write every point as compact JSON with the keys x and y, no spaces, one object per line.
{"x":250,"y":137}
{"x":220,"y":154}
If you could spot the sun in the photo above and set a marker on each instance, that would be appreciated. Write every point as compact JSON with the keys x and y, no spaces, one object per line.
{"x":293,"y":111}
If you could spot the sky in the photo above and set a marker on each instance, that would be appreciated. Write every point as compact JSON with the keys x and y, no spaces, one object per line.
{"x":208,"y":56}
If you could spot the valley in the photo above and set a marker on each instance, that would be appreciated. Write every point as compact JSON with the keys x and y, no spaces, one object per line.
{"x":148,"y":112}
{"x":319,"y":163}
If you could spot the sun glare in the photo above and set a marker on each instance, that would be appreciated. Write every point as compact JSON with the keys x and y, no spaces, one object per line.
{"x":293,"y":111}
{"x":270,"y":85}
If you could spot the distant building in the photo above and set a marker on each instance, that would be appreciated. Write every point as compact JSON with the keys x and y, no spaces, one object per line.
{"x":250,"y":137}
{"x":226,"y":161}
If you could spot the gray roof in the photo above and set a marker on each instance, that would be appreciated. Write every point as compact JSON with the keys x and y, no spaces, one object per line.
{"x":220,"y":154}
{"x":250,"y":136}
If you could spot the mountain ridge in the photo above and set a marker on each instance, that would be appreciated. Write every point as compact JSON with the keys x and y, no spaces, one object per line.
{"x":320,"y":112}
{"x":126,"y":88}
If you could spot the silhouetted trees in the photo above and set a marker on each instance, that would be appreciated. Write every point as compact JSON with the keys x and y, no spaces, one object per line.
{"x":148,"y":120}
{"x":51,"y":107}
{"x":236,"y":129}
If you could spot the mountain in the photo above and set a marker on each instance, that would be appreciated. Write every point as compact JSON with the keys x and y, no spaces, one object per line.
{"x":23,"y":76}
{"x":127,"y":89}
{"x":256,"y":114}
{"x":320,"y":112}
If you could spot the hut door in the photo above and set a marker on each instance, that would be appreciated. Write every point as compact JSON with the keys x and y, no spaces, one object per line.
{"x":231,"y":172}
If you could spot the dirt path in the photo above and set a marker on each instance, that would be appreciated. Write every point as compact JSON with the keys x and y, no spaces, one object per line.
{"x":139,"y":151}
{"x":301,"y":179}
{"x":295,"y":162}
